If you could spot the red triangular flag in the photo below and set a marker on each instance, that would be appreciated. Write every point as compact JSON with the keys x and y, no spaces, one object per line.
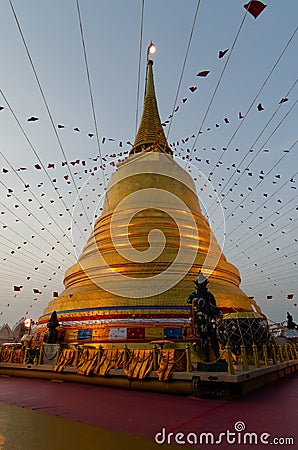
{"x":222,"y":53}
{"x":204,"y":73}
{"x":17,"y":288}
{"x":255,"y":7}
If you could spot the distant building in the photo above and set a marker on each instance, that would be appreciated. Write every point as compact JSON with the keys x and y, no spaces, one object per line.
{"x":6,"y":334}
{"x":12,"y":335}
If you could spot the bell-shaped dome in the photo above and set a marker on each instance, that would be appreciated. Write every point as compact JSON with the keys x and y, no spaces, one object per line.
{"x":135,"y":273}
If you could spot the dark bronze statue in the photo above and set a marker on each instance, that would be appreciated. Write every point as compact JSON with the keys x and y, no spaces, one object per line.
{"x":205,"y":314}
{"x":51,"y":334}
{"x":291,"y":325}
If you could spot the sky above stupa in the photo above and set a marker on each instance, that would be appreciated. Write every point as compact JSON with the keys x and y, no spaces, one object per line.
{"x":230,"y":117}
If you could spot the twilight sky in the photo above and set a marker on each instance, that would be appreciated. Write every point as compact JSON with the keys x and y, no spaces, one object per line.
{"x":255,"y":175}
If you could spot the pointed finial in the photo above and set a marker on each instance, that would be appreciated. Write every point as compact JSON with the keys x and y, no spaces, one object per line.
{"x":150,"y":90}
{"x":150,"y":136}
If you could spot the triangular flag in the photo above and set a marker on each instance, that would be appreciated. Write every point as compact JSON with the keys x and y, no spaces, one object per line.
{"x":255,"y":7}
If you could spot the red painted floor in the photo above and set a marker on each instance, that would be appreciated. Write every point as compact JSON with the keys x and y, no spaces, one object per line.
{"x":272,"y":410}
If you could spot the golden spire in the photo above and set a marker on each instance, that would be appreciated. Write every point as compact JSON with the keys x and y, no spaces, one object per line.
{"x":150,"y":136}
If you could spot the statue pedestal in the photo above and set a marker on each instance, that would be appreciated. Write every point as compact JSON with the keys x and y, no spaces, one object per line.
{"x":50,"y":354}
{"x":218,"y":366}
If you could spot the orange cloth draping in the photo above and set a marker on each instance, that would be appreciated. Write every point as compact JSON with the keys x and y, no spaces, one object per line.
{"x":18,"y":356}
{"x":171,"y":360}
{"x":180,"y":360}
{"x":5,"y":354}
{"x":66,"y":358}
{"x":166,"y":364}
{"x":87,"y":361}
{"x":139,"y":364}
{"x":109,"y":359}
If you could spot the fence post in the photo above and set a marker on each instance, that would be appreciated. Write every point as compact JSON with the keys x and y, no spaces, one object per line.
{"x":76,"y":359}
{"x":188,"y":358}
{"x":274,"y":356}
{"x":280,"y":355}
{"x":265,"y":355}
{"x":155,"y":357}
{"x":99,"y":353}
{"x":244,"y":357}
{"x":294,"y":353}
{"x":286,"y":353}
{"x":125,"y":357}
{"x":231,"y":369}
{"x":256,"y":355}
{"x":40,"y":355}
{"x":11,"y":354}
{"x":25,"y":355}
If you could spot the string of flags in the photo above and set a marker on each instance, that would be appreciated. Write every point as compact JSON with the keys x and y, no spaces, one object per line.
{"x":289,"y":297}
{"x":255,"y":8}
{"x":37,"y":291}
{"x":109,"y":160}
{"x":121,"y":143}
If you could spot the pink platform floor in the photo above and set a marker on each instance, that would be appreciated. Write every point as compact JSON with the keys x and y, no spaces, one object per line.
{"x":272,"y":410}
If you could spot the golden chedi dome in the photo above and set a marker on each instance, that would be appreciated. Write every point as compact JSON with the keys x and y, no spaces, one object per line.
{"x":133,"y":278}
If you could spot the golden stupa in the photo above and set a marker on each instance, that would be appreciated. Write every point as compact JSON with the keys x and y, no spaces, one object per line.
{"x":133,"y":278}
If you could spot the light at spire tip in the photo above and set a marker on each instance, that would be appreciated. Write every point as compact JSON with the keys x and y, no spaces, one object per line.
{"x":151,"y":49}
